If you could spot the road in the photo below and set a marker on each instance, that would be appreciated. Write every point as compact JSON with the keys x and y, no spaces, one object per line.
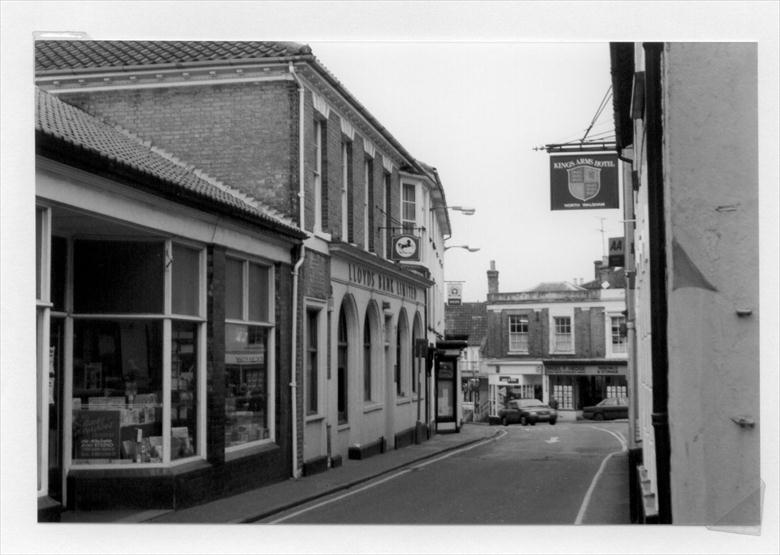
{"x":529,"y":475}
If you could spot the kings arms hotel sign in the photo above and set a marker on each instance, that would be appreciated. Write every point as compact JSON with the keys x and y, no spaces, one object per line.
{"x":584,"y":182}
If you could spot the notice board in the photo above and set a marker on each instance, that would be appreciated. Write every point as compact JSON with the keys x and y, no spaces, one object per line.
{"x":96,"y":434}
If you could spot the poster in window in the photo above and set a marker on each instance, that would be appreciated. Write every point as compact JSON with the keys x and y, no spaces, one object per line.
{"x":96,"y":434}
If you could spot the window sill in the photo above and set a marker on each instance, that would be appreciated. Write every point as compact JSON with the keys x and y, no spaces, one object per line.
{"x":373,"y":407}
{"x":518,"y":352}
{"x":248,"y":450}
{"x":403,"y":400}
{"x":322,"y":235}
{"x":314,"y":418}
{"x":342,"y":427}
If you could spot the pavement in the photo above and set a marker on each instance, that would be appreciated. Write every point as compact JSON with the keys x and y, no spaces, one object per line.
{"x":609,"y":500}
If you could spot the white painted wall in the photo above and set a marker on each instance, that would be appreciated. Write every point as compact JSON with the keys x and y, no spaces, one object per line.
{"x":711,"y":188}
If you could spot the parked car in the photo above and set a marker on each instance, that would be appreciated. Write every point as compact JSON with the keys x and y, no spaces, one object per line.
{"x":608,"y":409}
{"x":527,"y":411}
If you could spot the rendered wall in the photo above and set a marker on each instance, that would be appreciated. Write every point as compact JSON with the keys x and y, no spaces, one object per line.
{"x":711,"y":191}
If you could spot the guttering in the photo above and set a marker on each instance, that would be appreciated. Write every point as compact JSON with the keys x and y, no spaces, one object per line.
{"x":295,"y":275}
{"x":658,"y":282}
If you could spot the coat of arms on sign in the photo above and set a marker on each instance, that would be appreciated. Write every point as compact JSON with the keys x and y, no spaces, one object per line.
{"x":584,"y":182}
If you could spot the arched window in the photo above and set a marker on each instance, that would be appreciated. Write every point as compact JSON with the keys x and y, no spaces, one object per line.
{"x":398,"y":390}
{"x":343,"y":346}
{"x":367,"y":359}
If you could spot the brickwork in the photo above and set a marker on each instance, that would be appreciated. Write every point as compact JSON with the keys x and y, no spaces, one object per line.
{"x":243,"y":134}
{"x":284,"y":421}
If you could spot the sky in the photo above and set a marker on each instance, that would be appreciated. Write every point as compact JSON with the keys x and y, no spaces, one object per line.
{"x":476,"y":110}
{"x":468,"y":87}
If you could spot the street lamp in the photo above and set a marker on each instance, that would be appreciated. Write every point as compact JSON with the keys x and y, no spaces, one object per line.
{"x":466,"y":211}
{"x":470,"y":249}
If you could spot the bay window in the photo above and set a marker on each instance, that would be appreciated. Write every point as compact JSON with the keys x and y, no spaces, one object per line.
{"x":249,"y":383}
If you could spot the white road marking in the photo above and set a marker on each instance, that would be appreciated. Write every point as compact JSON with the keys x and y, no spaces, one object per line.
{"x":589,"y":493}
{"x":372,"y":484}
{"x":553,"y":439}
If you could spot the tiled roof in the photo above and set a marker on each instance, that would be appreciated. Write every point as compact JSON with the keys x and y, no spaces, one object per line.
{"x":467,"y":319}
{"x":615,"y":278}
{"x":54,"y":55}
{"x":56,"y":119}
{"x":556,"y":286}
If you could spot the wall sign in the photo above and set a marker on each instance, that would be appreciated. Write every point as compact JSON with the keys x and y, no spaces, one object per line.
{"x":454,"y":293}
{"x":584,"y":182}
{"x":616,"y":252}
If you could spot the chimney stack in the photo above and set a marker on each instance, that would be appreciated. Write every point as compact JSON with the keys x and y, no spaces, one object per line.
{"x":492,"y":275}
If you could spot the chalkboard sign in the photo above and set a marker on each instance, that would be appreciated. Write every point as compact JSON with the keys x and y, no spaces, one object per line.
{"x":96,"y":434}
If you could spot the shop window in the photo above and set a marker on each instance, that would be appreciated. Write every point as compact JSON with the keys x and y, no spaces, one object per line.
{"x":518,"y":333}
{"x":248,"y":392}
{"x":185,"y":276}
{"x":184,"y":388}
{"x":398,"y":385}
{"x":117,"y":391}
{"x":562,"y":338}
{"x":342,"y":356}
{"x":246,"y":376}
{"x":118,"y":277}
{"x":122,"y":360}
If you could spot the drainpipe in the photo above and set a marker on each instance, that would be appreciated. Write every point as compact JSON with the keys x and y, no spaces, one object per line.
{"x":658,"y":282}
{"x":295,"y":274}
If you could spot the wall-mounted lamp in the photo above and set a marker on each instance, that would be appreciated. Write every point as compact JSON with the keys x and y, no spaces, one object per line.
{"x":466,"y":211}
{"x":470,"y":249}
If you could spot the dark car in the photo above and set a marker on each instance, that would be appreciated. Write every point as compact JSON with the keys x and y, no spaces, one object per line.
{"x":608,"y":409}
{"x":527,"y":411}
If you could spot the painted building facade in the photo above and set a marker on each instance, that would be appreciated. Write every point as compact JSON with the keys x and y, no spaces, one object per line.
{"x":267,"y":120}
{"x":558,"y":341}
{"x":686,"y":117}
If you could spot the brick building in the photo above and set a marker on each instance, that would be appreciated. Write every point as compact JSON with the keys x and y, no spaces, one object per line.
{"x":557,"y":341}
{"x":268,"y":121}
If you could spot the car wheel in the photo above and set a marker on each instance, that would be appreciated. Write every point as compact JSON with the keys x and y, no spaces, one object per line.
{"x":553,"y":421}
{"x":504,"y":421}
{"x":598,"y":416}
{"x":523,"y":421}
{"x":533,"y":422}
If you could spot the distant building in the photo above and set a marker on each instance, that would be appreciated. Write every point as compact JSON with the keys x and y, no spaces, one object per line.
{"x":557,"y":341}
{"x":469,"y":320}
{"x":686,"y":117}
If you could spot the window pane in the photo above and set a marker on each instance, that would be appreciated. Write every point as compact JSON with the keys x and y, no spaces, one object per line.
{"x":234,"y":289}
{"x":246,"y":381}
{"x":185,"y":280}
{"x":117,"y":391}
{"x":59,"y":254}
{"x":258,"y":293}
{"x":118,"y":277}
{"x":184,"y":388}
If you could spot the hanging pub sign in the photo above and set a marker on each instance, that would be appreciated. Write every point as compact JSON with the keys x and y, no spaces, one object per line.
{"x":405,"y":247}
{"x":454,"y":293}
{"x":584,"y":181}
